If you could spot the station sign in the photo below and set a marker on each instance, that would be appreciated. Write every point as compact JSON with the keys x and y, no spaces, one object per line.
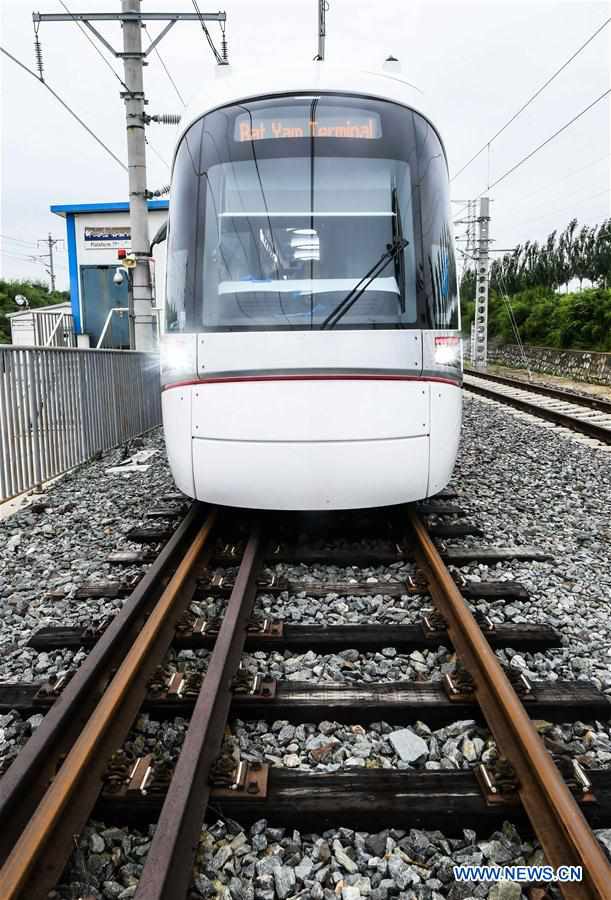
{"x":107,"y":237}
{"x":295,"y":123}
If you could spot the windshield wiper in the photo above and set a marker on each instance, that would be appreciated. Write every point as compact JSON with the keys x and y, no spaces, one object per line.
{"x":361,"y":286}
{"x":399,"y":258}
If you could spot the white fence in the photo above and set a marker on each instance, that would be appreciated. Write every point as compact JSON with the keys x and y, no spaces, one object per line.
{"x":59,"y":407}
{"x":42,"y":328}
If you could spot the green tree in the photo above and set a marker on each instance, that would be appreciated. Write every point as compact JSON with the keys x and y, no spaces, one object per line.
{"x":531,"y":276}
{"x":37,"y":293}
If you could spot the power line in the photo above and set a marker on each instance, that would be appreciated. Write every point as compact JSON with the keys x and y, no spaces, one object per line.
{"x":18,"y":256}
{"x":116,"y":74}
{"x":7,"y":237}
{"x":110,"y":66}
{"x":166,"y":70}
{"x":550,"y":138}
{"x":29,"y":259}
{"x":95,"y":46}
{"x":157,"y":154}
{"x":558,"y":181}
{"x":65,"y":105}
{"x":217,"y":55}
{"x":557,"y":196}
{"x":540,"y":146}
{"x":530,"y":100}
{"x":554,"y":212}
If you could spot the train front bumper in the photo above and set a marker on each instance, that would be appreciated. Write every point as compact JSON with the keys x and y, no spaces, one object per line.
{"x":312,"y":445}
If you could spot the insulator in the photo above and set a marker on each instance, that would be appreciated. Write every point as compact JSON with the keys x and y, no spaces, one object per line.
{"x":159,"y":193}
{"x":166,"y":118}
{"x":224,"y":48}
{"x":38,"y":57}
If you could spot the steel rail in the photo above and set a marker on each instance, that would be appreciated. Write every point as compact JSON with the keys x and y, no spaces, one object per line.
{"x":25,"y":782}
{"x":34,"y":862}
{"x":168,"y":868}
{"x":555,"y":393}
{"x":591,"y":429}
{"x":557,"y":820}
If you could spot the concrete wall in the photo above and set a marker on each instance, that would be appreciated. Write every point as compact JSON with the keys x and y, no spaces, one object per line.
{"x":580,"y":365}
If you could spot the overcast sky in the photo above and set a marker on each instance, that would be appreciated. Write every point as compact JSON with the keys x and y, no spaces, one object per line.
{"x":477,"y":62}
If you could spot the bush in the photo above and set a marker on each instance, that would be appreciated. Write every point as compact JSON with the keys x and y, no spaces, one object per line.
{"x":579,"y":321}
{"x":37,"y":293}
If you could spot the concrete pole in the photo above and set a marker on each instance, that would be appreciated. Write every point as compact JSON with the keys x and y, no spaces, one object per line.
{"x":51,"y":243}
{"x":141,"y":312}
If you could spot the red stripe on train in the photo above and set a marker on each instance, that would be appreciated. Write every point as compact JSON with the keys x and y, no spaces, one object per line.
{"x":229,"y":379}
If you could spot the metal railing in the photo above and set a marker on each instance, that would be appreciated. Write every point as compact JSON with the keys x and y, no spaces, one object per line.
{"x":61,"y":406}
{"x":62,"y":333}
{"x":106,"y":335}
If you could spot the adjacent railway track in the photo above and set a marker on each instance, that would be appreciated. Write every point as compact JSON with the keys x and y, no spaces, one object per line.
{"x":588,"y":415}
{"x":61,"y":776}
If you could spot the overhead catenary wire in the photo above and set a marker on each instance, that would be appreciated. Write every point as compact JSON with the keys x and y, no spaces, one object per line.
{"x":116,"y":74}
{"x":66,"y":107}
{"x":513,"y":321}
{"x":95,"y":46}
{"x":530,"y":100}
{"x":545,"y":203}
{"x":516,"y":330}
{"x":157,"y":153}
{"x":540,"y":146}
{"x":553,"y":212}
{"x":217,"y":55}
{"x":166,"y":70}
{"x":550,"y":138}
{"x":557,"y":181}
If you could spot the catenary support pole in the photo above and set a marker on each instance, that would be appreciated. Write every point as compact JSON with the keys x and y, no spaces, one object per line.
{"x":141,"y":314}
{"x":480,"y":360}
{"x":141,"y":309}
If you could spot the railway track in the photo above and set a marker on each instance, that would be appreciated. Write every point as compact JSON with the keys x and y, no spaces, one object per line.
{"x":588,"y":415}
{"x":70,"y":768}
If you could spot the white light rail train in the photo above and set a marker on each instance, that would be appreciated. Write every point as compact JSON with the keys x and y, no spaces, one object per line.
{"x":311,"y":357}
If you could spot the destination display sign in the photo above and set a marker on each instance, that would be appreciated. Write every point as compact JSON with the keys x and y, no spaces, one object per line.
{"x":294,"y":123}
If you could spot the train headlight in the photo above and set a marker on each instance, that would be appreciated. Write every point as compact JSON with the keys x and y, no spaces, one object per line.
{"x":178,"y":358}
{"x":447,"y":350}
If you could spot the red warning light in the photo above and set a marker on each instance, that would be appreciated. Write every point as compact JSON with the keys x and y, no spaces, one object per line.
{"x":121,"y":253}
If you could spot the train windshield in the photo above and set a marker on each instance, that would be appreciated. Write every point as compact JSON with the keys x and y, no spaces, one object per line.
{"x":309,"y":213}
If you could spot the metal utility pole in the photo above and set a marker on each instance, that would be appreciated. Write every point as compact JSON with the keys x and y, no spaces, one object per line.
{"x":480,"y":355}
{"x":142,"y":319}
{"x":323,"y":6}
{"x":50,"y":241}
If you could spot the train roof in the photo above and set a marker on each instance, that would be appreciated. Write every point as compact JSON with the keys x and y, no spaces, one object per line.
{"x":235,"y":84}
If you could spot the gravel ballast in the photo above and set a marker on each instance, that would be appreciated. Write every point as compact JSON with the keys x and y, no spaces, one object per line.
{"x":520,"y":481}
{"x":267,"y":863}
{"x":87,"y":515}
